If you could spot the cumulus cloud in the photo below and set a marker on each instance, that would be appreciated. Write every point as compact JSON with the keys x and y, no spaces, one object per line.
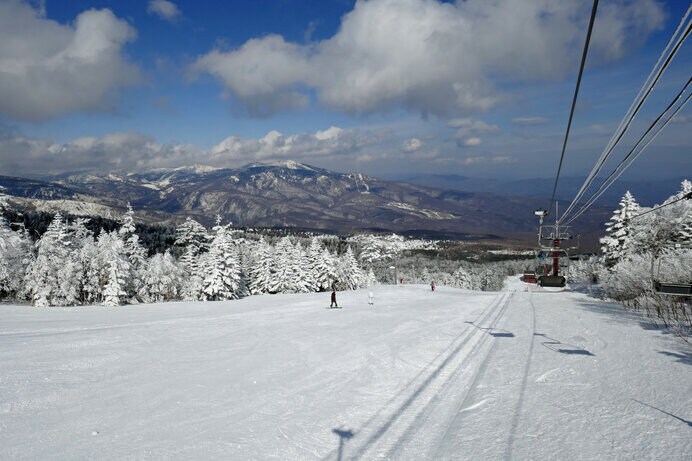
{"x":168,"y":11}
{"x":132,"y":151}
{"x":530,"y":121}
{"x":427,"y":56}
{"x":48,"y":69}
{"x":412,"y":145}
{"x":474,"y":141}
{"x":469,"y":130}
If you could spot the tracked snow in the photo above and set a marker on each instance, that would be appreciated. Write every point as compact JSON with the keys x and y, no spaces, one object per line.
{"x":450,"y":374}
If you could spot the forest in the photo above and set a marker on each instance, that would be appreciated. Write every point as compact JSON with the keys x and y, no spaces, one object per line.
{"x":55,"y":260}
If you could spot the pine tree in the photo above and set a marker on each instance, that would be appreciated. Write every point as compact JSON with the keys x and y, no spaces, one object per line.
{"x":320,"y":266}
{"x":220,"y":268}
{"x":162,"y":278}
{"x":261,"y":273}
{"x":371,"y":250}
{"x":193,"y":238}
{"x":617,"y":241}
{"x":114,"y":269}
{"x":462,"y":279}
{"x":14,"y":252}
{"x":288,"y":276}
{"x":351,"y":275}
{"x":53,"y":277}
{"x":136,"y":253}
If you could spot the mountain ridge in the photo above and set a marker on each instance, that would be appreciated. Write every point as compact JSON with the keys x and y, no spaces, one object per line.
{"x":292,"y":194}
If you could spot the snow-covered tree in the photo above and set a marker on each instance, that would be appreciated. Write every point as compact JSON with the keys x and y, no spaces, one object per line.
{"x":193,"y":238}
{"x":370,"y":278}
{"x":291,"y":271}
{"x":136,"y":253}
{"x":114,"y":269}
{"x":14,"y":256}
{"x":349,"y":272}
{"x":53,"y":278}
{"x":371,"y":249}
{"x":462,"y":279}
{"x":261,"y":272}
{"x":162,"y":279}
{"x":221,"y":277}
{"x":618,"y":232}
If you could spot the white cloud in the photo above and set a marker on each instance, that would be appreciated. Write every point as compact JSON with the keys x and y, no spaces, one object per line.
{"x":469,"y":130}
{"x":48,"y":69}
{"x":530,"y":121}
{"x":131,"y":151}
{"x":427,"y":56}
{"x":168,"y":11}
{"x":412,"y":145}
{"x":475,"y":141}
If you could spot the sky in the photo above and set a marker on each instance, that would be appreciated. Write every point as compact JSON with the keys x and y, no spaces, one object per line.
{"x":479,"y":88}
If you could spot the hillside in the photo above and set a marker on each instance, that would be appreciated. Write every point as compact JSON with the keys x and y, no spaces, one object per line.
{"x":450,"y":374}
{"x":290,"y":194}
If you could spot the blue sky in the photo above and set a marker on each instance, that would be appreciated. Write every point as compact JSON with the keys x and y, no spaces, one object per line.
{"x":385,"y":87}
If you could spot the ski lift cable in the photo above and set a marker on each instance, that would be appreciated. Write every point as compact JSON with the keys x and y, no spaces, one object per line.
{"x":574,"y":99}
{"x":632,"y":156}
{"x":687,"y":196}
{"x":633,"y":111}
{"x":630,"y":115}
{"x":620,"y":169}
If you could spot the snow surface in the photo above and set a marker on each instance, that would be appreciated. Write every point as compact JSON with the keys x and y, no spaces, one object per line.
{"x":450,"y":374}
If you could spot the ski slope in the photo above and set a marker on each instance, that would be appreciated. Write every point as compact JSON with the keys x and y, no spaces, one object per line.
{"x":450,"y":374}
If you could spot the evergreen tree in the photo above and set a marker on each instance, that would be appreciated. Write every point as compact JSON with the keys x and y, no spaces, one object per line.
{"x":371,"y":250}
{"x":220,"y":268}
{"x":135,"y":251}
{"x":53,"y":277}
{"x":193,"y":238}
{"x":14,"y":255}
{"x":162,"y":278}
{"x":289,"y":276}
{"x":320,"y":266}
{"x":113,"y":268}
{"x":618,"y":238}
{"x":462,"y":279}
{"x":261,"y":273}
{"x":351,"y":275}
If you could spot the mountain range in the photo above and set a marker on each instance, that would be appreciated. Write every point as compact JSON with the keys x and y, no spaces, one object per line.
{"x":291,"y":194}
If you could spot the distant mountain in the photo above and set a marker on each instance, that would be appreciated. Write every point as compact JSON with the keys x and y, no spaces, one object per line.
{"x":291,"y":194}
{"x":647,"y":192}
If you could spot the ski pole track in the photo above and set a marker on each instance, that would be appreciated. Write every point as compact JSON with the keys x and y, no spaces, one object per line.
{"x":396,"y":424}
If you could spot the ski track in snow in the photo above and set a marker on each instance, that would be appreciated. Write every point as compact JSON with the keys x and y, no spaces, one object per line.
{"x":449,"y":375}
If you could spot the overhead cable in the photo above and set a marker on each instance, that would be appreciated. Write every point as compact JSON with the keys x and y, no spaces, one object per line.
{"x":574,"y":99}
{"x":664,"y":60}
{"x":636,"y":151}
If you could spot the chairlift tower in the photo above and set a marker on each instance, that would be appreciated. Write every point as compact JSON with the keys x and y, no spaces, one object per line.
{"x":555,"y":234}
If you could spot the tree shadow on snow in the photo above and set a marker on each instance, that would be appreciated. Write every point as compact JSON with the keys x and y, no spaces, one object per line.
{"x":683,"y":357}
{"x":563,"y":348}
{"x":496,"y":332}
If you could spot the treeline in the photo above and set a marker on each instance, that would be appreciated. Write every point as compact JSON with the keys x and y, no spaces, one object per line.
{"x":643,"y":245}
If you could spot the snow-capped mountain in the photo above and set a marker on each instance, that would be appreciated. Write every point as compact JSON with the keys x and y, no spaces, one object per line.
{"x":294,"y":195}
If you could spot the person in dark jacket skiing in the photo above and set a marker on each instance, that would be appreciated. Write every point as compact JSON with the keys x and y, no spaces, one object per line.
{"x":333,"y":304}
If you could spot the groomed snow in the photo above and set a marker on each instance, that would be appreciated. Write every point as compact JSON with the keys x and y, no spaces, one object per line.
{"x":450,"y":374}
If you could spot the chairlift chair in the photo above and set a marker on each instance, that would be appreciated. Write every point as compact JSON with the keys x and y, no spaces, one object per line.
{"x":674,"y":286}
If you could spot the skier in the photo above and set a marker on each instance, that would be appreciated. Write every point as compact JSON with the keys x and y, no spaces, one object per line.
{"x":432,"y":286}
{"x":333,"y":304}
{"x":371,"y":298}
